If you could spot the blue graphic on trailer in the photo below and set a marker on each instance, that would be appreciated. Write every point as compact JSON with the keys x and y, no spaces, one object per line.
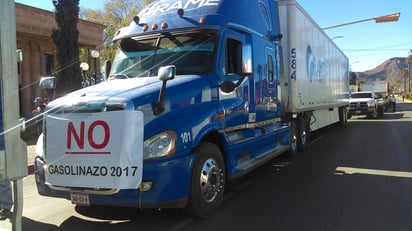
{"x":314,"y":66}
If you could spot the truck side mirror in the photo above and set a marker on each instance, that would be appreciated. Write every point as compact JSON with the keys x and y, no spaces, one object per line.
{"x":247,"y":60}
{"x":227,"y":86}
{"x":107,"y":68}
{"x":166,"y":72}
{"x":47,"y":82}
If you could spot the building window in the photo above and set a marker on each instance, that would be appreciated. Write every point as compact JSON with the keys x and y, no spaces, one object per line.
{"x":48,"y":64}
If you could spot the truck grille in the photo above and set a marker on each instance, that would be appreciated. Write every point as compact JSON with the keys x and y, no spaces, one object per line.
{"x":358,"y":105}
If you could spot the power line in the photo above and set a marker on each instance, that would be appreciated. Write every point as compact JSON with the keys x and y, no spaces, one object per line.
{"x":383,"y":48}
{"x":373,"y":49}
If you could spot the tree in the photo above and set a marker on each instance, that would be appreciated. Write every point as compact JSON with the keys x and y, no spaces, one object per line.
{"x":66,"y":39}
{"x":395,"y":86}
{"x":352,"y":78}
{"x":116,"y":14}
{"x":408,"y":61}
{"x":405,"y":73}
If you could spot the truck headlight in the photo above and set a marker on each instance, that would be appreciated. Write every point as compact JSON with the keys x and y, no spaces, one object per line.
{"x":162,"y":144}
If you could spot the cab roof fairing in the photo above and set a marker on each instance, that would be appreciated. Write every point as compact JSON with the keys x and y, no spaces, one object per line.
{"x":217,"y":14}
{"x":167,"y":11}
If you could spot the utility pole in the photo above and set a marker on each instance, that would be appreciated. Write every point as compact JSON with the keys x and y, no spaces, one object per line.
{"x":13,"y":151}
{"x":409,"y":61}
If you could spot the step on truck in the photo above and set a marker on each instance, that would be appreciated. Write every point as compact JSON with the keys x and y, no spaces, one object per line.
{"x":199,"y":94}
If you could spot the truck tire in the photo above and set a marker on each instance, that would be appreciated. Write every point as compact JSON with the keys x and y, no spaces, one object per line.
{"x":374,"y":114}
{"x":293,"y":139}
{"x":208,"y":182}
{"x":343,"y":116}
{"x":303,"y":136}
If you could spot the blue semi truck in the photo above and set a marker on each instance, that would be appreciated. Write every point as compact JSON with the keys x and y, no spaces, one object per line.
{"x":200,"y":93}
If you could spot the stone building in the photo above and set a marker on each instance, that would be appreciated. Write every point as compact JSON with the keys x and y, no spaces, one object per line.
{"x":33,"y":31}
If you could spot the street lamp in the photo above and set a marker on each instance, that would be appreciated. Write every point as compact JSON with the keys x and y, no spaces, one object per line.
{"x":95,"y":54}
{"x":85,"y":68}
{"x":350,"y":65}
{"x":379,"y":19}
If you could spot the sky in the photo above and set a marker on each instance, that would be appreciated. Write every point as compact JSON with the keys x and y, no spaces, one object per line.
{"x":366,"y":44}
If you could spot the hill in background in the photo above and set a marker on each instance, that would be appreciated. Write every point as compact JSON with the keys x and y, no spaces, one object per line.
{"x":388,"y":70}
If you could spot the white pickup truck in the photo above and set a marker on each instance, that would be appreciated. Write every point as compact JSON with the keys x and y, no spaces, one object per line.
{"x":365,"y":103}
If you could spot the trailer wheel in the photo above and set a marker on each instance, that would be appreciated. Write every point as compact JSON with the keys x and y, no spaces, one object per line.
{"x":303,"y":135}
{"x":208,"y":182}
{"x":343,"y":116}
{"x":293,"y":139}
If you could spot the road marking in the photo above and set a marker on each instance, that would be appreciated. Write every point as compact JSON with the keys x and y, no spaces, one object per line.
{"x":348,"y":170}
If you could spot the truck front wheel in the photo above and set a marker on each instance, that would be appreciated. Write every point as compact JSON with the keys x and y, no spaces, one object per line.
{"x":208,"y":182}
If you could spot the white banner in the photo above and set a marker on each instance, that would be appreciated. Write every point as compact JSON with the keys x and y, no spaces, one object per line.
{"x":96,"y":150}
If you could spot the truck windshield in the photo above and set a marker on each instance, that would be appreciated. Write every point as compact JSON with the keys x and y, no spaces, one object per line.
{"x":191,"y":53}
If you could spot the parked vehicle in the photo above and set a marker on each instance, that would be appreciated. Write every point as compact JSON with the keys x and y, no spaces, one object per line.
{"x":365,"y":103}
{"x":381,"y":90}
{"x":234,"y":89}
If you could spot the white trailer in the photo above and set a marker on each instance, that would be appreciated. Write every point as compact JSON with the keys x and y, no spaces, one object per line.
{"x":380,"y":88}
{"x":315,"y":70}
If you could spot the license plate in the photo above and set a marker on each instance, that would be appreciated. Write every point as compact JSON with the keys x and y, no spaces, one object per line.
{"x":358,"y":111}
{"x":79,"y":198}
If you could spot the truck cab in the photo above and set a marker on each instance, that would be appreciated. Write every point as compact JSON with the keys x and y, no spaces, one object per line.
{"x":204,"y":80}
{"x":199,"y":94}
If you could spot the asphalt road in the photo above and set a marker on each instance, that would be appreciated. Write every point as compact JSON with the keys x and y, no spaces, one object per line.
{"x":357,"y":177}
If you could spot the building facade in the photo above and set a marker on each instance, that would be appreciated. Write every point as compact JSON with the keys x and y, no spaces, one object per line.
{"x":33,"y":31}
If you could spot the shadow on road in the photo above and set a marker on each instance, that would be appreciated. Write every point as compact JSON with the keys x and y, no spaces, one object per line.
{"x":116,"y":218}
{"x":401,"y":113}
{"x":28,"y":224}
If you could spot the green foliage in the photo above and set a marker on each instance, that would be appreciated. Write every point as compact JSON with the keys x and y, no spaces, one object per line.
{"x":408,"y":96}
{"x":352,"y":78}
{"x":404,"y":73}
{"x":116,"y":14}
{"x":66,"y":39}
{"x":395,"y":86}
{"x":409,"y":59}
